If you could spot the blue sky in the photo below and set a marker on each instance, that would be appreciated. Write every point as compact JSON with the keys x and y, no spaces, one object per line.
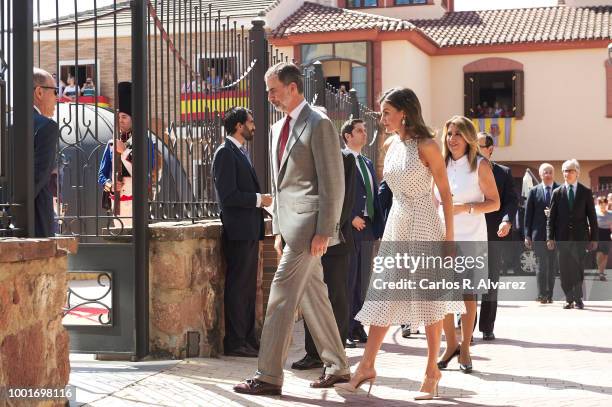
{"x":47,"y":7}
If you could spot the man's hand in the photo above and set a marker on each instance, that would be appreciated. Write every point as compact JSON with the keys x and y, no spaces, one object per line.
{"x":318,"y":247}
{"x":278,"y":245}
{"x":358,"y":223}
{"x":550,"y":244}
{"x":528,"y":243}
{"x":504,"y":229}
{"x":108,"y":185}
{"x":266,"y":200}
{"x":592,"y":246}
{"x":120,"y":146}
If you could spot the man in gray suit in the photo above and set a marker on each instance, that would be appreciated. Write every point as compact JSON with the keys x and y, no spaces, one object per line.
{"x":308,"y":187}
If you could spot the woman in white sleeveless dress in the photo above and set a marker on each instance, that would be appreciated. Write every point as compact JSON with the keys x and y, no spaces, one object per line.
{"x":411,"y":162}
{"x":474,"y":193}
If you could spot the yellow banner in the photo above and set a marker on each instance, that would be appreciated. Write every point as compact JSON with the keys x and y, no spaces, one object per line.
{"x":501,"y":128}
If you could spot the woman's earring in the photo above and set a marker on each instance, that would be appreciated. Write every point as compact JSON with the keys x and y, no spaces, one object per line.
{"x":403,"y":121}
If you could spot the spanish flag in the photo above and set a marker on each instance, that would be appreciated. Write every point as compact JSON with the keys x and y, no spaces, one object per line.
{"x":501,"y":128}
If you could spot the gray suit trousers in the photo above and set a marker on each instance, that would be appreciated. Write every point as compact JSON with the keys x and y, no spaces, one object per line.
{"x":298,"y":281}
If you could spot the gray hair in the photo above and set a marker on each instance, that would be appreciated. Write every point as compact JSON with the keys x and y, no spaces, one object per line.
{"x":287,"y":72}
{"x":40,"y":77}
{"x":545,"y":166}
{"x":572,"y":164}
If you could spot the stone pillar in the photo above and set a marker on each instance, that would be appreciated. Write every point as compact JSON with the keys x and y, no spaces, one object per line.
{"x":33,"y":341}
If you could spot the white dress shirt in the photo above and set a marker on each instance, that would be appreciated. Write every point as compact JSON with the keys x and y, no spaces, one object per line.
{"x":237,"y":144}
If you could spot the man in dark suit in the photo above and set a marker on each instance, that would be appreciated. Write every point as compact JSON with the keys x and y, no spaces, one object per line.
{"x":536,"y":214}
{"x":367,"y":221}
{"x":336,"y":262}
{"x":499,"y":224}
{"x":241,"y":203}
{"x":571,"y":225}
{"x":46,"y":134}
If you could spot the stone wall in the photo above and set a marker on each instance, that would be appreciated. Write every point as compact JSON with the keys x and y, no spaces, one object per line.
{"x":187,"y":277}
{"x":33,"y":342}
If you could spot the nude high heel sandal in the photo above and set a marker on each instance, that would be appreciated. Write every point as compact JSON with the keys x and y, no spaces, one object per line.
{"x":429,"y":383}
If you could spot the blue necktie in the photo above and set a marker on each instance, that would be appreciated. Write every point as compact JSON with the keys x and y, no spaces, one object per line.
{"x":246,"y":154}
{"x":547,"y":197}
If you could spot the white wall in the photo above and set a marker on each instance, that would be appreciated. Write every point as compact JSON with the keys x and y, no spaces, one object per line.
{"x":405,"y":65}
{"x":581,"y":3}
{"x":565,"y":103}
{"x":410,"y":12}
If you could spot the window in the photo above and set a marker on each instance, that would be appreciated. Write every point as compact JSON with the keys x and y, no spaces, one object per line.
{"x":217,"y":72}
{"x":494,"y":94}
{"x":405,"y":2}
{"x":362,"y":3}
{"x":344,"y":64}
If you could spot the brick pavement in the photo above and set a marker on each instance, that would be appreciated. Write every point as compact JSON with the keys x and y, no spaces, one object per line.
{"x":544,"y":356}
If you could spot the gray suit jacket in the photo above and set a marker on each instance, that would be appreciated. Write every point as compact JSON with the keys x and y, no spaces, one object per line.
{"x":308,"y":186}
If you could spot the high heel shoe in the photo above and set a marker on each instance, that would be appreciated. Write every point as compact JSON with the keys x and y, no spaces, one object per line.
{"x":433,"y":384}
{"x":467,"y":367}
{"x":349,"y":387}
{"x":444,"y":363}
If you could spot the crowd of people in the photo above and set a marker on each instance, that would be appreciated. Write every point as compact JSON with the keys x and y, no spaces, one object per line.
{"x":484,"y":110}
{"x":212,"y":82}
{"x":69,"y":90}
{"x":328,"y":211}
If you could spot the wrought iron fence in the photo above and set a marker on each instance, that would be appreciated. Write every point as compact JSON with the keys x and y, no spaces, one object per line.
{"x":7,"y":175}
{"x":200,"y":65}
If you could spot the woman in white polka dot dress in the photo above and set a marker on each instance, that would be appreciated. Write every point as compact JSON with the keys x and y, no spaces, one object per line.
{"x":411,"y":162}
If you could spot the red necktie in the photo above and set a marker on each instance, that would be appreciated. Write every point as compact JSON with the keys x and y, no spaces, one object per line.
{"x":284,"y":136}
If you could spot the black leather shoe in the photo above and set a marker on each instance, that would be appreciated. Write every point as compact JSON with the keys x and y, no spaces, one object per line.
{"x":243,"y":352}
{"x":549,"y":300}
{"x":539,"y":298}
{"x":488,"y":336}
{"x":579,"y":304}
{"x":307,"y":362}
{"x":568,"y":305}
{"x":406,"y":331}
{"x":350,"y":343}
{"x":360,"y":335}
{"x":444,"y":363}
{"x":256,"y":387}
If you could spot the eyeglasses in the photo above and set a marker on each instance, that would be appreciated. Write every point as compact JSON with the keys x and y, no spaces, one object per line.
{"x":50,"y":87}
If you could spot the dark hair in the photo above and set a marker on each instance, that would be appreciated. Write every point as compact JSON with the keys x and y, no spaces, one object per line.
{"x":287,"y":72}
{"x":488,"y":138}
{"x":234,"y":116}
{"x":348,"y":127}
{"x":602,"y":199}
{"x":405,"y":100}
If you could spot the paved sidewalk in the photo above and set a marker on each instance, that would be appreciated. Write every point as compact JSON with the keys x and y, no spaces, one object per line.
{"x":544,"y":356}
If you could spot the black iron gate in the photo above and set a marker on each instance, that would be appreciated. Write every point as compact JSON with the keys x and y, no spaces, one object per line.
{"x":187,"y":64}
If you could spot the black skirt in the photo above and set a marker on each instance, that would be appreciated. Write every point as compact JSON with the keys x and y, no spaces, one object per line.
{"x":604,"y":241}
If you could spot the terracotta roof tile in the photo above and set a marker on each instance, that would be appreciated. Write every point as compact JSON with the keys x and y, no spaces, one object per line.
{"x":464,"y":28}
{"x":313,"y":18}
{"x":560,"y":23}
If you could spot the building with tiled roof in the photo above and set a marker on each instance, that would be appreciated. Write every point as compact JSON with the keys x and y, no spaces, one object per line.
{"x":538,"y":78}
{"x":316,"y":18}
{"x":531,"y":25}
